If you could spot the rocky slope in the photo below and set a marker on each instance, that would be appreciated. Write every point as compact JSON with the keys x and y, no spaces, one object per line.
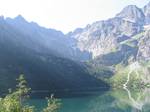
{"x":144,"y":46}
{"x":46,"y":55}
{"x":27,"y":49}
{"x":106,"y":37}
{"x":50,"y":39}
{"x":92,"y":42}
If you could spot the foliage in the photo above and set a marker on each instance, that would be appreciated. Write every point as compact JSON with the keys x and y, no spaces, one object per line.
{"x":52,"y":105}
{"x":14,"y":101}
{"x":120,"y":78}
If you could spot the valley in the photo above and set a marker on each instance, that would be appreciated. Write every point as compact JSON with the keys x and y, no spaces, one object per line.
{"x":105,"y":54}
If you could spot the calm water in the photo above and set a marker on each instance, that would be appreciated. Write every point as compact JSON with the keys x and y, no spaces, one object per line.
{"x":111,"y":101}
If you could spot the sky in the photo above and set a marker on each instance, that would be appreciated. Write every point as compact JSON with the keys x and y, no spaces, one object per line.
{"x":65,"y":15}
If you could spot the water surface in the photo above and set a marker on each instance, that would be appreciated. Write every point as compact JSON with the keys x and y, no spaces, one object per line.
{"x":112,"y":101}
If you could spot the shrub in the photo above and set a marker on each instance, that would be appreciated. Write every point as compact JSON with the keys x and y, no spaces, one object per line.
{"x":14,"y":101}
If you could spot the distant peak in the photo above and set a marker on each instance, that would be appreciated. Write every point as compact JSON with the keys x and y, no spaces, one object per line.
{"x":78,"y":30}
{"x":146,"y":7}
{"x":132,"y":6}
{"x":19,"y":17}
{"x":146,"y":10}
{"x":132,"y":13}
{"x":130,"y":9}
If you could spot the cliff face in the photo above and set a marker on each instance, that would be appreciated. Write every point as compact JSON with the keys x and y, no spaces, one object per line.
{"x":94,"y":41}
{"x":106,"y":37}
{"x":144,"y":46}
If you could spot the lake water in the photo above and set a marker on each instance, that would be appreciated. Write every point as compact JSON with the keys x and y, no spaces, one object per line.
{"x":110,"y":101}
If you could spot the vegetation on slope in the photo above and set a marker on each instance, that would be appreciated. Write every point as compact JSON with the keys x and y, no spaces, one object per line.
{"x":139,"y":76}
{"x":44,"y":71}
{"x":15,"y":100}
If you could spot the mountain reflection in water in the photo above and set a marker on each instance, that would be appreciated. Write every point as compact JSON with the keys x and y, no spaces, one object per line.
{"x":123,"y":100}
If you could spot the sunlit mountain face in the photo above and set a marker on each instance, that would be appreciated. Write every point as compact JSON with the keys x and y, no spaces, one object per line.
{"x":44,"y":56}
{"x":103,"y":50}
{"x":103,"y":67}
{"x":108,"y":53}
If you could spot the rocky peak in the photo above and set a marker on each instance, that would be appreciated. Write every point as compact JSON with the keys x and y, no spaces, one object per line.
{"x":146,"y":10}
{"x":104,"y":36}
{"x":133,"y":14}
{"x":19,"y":18}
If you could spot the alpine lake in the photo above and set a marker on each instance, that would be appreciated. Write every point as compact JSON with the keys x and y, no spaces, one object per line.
{"x":124,"y":100}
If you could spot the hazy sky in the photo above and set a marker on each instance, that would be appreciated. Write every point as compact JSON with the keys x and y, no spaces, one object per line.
{"x":65,"y":15}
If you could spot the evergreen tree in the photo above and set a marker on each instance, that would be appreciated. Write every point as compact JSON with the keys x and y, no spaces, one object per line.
{"x":14,"y":101}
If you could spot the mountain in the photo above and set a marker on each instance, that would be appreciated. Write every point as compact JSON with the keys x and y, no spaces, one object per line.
{"x":107,"y":40}
{"x":103,"y":37}
{"x":78,"y":60}
{"x":146,"y":10}
{"x":132,"y":14}
{"x":94,"y":41}
{"x":25,"y":50}
{"x":49,"y":38}
{"x":116,"y":44}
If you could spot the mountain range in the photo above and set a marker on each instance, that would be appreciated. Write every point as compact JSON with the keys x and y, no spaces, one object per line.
{"x":52,"y":60}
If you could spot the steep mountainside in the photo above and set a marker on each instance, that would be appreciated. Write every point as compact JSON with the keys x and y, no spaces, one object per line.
{"x":144,"y":46}
{"x":45,"y":69}
{"x":92,"y":42}
{"x":52,"y":61}
{"x":105,"y":39}
{"x":146,"y":10}
{"x":132,"y":14}
{"x":118,"y":43}
{"x":50,"y":39}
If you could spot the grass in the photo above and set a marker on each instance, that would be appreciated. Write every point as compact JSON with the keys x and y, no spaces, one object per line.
{"x":130,"y":42}
{"x":121,"y":75}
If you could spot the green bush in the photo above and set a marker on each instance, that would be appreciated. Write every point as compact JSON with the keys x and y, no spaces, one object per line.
{"x":14,"y":101}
